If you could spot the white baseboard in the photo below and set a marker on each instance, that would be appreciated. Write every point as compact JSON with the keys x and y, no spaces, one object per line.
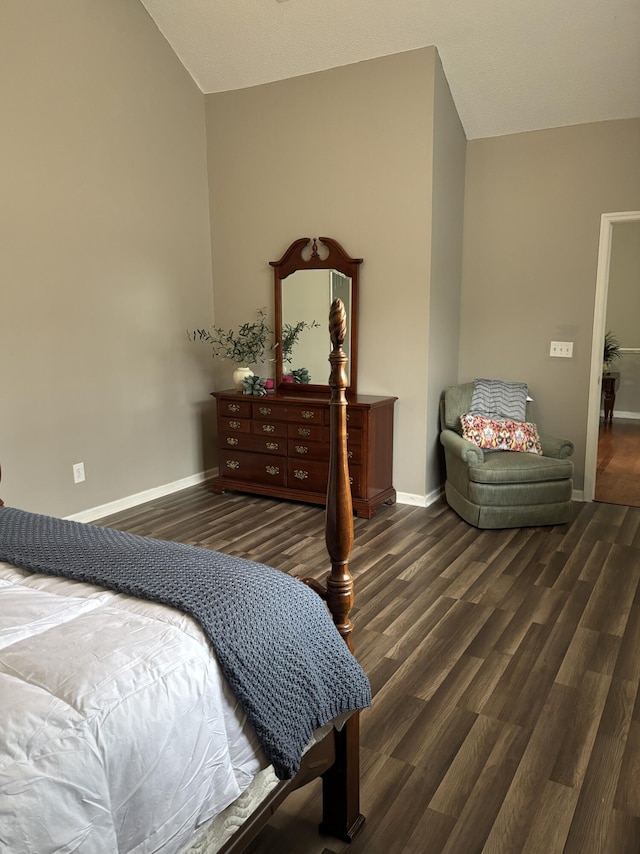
{"x":635,"y":415}
{"x":419,"y":500}
{"x":139,"y":498}
{"x":617,"y":413}
{"x":166,"y":489}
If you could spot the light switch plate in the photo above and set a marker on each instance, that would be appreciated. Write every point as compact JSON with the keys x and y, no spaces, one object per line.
{"x":562,"y":349}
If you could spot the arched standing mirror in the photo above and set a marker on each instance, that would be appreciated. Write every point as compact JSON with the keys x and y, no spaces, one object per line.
{"x":308,"y":277}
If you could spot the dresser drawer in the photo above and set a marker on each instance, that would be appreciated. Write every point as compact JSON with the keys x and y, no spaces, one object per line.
{"x":308,"y":474}
{"x":314,"y":475}
{"x":235,"y":408}
{"x":355,"y":418}
{"x":234,"y":425}
{"x":269,"y":428}
{"x":354,"y":436}
{"x":310,"y":433}
{"x":301,"y":449}
{"x":259,"y":468}
{"x":267,"y":409}
{"x":260,"y":444}
{"x":307,"y":414}
{"x":354,"y":454}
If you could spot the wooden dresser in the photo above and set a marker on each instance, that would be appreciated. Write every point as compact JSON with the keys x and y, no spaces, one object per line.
{"x":278,"y":445}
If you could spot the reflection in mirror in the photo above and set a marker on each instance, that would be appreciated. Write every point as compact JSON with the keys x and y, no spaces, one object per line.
{"x":310,"y":275}
{"x":305,"y":295}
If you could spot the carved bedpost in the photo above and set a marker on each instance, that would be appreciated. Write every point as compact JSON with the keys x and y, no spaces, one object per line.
{"x":341,"y":815}
{"x":339,"y":518}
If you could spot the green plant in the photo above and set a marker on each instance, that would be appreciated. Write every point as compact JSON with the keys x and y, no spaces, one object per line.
{"x":290,"y":335}
{"x":244,"y":347}
{"x":301,"y":376}
{"x":253,"y":385}
{"x":611,"y":350}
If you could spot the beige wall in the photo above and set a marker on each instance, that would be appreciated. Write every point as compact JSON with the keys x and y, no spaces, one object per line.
{"x":533,"y":203}
{"x":345,"y":153}
{"x":449,"y":150}
{"x":105,"y":255}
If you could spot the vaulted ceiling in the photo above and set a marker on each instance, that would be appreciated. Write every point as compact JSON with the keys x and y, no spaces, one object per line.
{"x":512,"y":66}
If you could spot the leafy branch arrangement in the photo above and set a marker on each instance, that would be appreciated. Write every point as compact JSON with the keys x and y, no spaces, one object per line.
{"x":611,"y":349}
{"x":244,"y":347}
{"x":290,"y":335}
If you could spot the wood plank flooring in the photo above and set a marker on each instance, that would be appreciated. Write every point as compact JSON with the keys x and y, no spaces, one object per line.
{"x":505,"y":667}
{"x":618,"y":468}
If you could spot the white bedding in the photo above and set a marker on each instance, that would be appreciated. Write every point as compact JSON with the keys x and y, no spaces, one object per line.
{"x":118,"y":732}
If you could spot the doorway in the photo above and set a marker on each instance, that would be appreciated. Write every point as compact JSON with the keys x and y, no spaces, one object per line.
{"x":607,"y":224}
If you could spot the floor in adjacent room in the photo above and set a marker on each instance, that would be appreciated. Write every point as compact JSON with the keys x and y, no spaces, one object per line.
{"x":618,"y":469}
{"x":505,"y":667}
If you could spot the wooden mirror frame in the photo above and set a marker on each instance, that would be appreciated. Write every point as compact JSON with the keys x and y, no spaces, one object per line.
{"x":336,"y":259}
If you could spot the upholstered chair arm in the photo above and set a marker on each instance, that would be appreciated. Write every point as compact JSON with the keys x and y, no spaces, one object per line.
{"x":554,"y":447}
{"x":467,"y":451}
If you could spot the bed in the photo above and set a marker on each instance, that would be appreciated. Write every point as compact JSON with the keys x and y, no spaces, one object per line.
{"x":121,"y":730}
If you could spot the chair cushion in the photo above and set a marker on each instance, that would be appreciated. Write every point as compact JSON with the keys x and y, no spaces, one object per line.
{"x":514,"y":467}
{"x":500,"y":434}
{"x":456,"y":401}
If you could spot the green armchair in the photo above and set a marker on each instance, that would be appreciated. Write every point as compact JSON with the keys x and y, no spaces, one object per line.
{"x":503,"y":489}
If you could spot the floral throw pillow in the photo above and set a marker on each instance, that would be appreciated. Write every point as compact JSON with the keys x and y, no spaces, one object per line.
{"x":500,"y":434}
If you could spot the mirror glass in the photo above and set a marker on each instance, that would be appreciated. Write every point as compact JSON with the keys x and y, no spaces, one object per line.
{"x":306,"y":298}
{"x":310,"y":275}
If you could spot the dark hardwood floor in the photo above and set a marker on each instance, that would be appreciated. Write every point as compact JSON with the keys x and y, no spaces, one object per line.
{"x":505,"y":667}
{"x":618,"y":468}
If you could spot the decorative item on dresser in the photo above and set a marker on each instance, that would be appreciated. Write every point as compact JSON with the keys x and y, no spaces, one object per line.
{"x":279,"y":445}
{"x":244,"y":347}
{"x":75,"y":642}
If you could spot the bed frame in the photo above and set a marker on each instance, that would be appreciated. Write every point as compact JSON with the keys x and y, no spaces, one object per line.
{"x":337,"y":757}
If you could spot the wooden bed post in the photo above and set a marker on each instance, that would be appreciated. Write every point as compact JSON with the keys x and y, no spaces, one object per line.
{"x":341,"y":815}
{"x":339,"y":516}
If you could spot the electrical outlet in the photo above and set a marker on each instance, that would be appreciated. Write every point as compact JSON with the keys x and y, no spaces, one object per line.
{"x":563,"y":349}
{"x":78,"y":472}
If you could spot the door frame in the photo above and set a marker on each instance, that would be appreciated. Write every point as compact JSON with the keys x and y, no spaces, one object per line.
{"x":607,"y":221}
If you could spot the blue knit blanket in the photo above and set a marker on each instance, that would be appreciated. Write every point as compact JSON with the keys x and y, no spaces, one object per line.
{"x":273,"y":636}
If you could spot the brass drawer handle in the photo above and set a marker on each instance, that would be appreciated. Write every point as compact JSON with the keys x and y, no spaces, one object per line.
{"x":304,"y":431}
{"x":231,"y":440}
{"x":268,"y":428}
{"x":301,"y":474}
{"x":302,"y":449}
{"x":233,"y":464}
{"x":265,"y":410}
{"x":351,"y":481}
{"x":349,"y":454}
{"x":271,"y":446}
{"x":307,"y":413}
{"x":272,"y":469}
{"x":235,"y":425}
{"x":234,"y":407}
